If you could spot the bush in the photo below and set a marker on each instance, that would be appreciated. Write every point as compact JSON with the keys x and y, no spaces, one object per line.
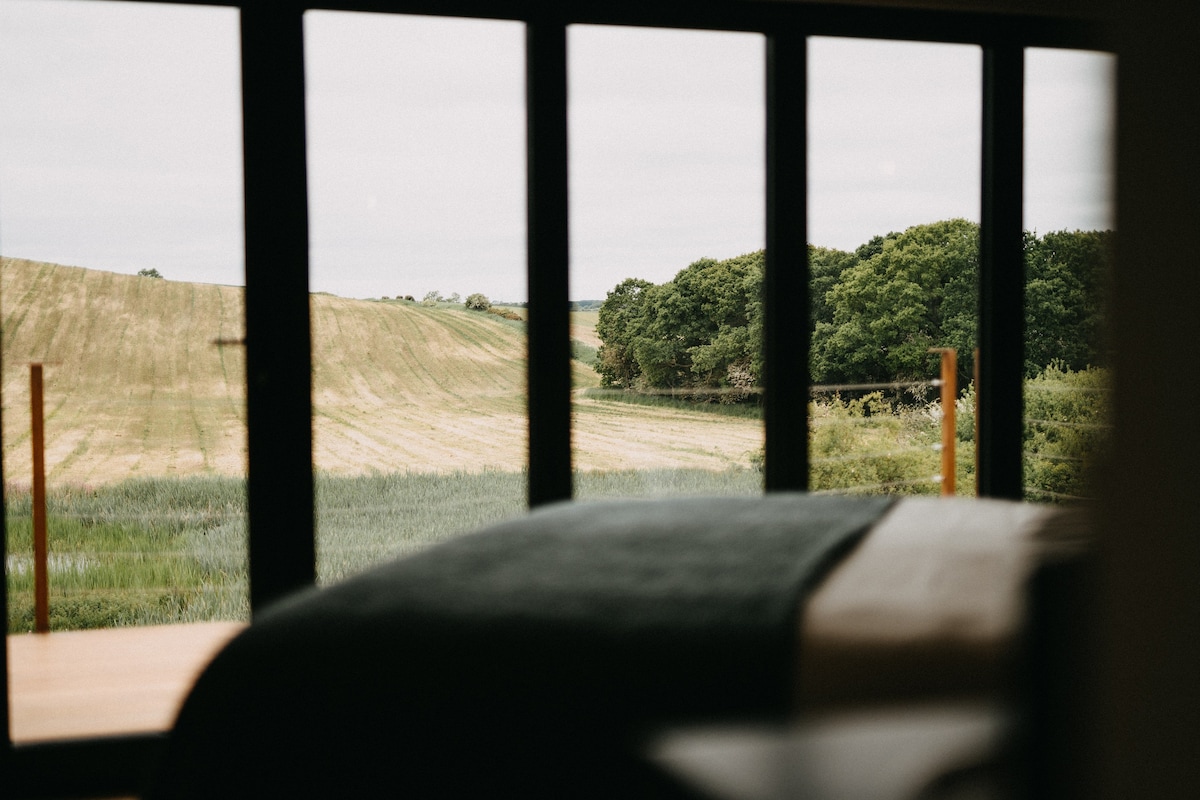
{"x":149,"y":273}
{"x":1067,"y":430}
{"x":872,"y":445}
{"x":478,"y":302}
{"x":504,"y":313}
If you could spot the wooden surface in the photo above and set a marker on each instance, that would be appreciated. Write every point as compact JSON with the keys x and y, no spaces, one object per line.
{"x":102,"y":682}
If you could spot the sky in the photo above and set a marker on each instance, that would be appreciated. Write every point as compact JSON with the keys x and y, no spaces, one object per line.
{"x":120,"y":146}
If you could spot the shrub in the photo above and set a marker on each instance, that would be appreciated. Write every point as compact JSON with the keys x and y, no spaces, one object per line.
{"x":149,"y":273}
{"x":1067,"y":429}
{"x":504,"y":313}
{"x":872,"y":445}
{"x":478,"y":302}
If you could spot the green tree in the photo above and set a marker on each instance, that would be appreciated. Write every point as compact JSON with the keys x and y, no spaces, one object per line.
{"x":915,"y":290}
{"x":825,"y":267}
{"x":690,"y":332}
{"x":875,"y":312}
{"x":1064,"y":299}
{"x":619,"y":319}
{"x":149,"y":273}
{"x":729,"y":354}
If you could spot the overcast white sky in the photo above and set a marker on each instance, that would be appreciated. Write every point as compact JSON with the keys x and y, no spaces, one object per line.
{"x":120,"y":146}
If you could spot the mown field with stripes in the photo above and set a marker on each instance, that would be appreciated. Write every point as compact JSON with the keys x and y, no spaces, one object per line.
{"x":137,"y":387}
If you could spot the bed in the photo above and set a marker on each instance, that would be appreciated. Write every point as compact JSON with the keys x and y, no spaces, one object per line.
{"x":534,"y":657}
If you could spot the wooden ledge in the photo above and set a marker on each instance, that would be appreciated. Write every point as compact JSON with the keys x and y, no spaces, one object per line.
{"x":76,"y":684}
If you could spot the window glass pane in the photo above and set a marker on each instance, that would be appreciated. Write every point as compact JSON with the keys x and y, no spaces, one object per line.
{"x":416,"y":142}
{"x":666,"y":160}
{"x":1069,"y":218}
{"x":121,"y":235}
{"x":893,"y":224}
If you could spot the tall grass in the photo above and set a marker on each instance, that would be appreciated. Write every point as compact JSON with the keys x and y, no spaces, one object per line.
{"x":137,"y":552}
{"x":872,"y":445}
{"x":174,"y":549}
{"x":366,"y":519}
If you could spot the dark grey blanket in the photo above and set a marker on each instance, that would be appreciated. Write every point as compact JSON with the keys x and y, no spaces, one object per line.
{"x":525,"y":659}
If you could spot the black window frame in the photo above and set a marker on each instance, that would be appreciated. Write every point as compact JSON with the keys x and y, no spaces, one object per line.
{"x":278,"y":347}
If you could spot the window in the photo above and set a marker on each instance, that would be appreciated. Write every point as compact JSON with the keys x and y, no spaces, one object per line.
{"x":416,"y":202}
{"x":277,"y":258}
{"x":138,"y":174}
{"x":894,"y":173}
{"x":1069,"y":252}
{"x":666,"y":169}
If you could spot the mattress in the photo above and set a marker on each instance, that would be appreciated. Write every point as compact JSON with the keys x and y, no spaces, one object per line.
{"x":534,"y":656}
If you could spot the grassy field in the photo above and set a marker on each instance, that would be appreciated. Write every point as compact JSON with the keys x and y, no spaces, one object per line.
{"x":419,"y":428}
{"x":155,"y":551}
{"x":135,"y":386}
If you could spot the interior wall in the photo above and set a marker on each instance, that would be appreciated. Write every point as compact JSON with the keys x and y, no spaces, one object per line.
{"x":1149,"y":709}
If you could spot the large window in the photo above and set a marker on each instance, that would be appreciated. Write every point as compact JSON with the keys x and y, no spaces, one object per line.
{"x":894,"y":176}
{"x":1069,"y":216}
{"x":666,"y":168}
{"x":121,"y":235}
{"x":416,"y":204}
{"x":305,"y":221}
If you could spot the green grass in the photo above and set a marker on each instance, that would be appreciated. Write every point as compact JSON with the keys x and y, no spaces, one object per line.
{"x":173,"y":549}
{"x":748,"y":410}
{"x":583,"y":352}
{"x":367,"y":519}
{"x":137,"y":552}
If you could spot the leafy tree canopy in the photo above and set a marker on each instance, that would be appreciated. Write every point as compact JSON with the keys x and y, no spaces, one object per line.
{"x":912,"y":291}
{"x":875,"y":313}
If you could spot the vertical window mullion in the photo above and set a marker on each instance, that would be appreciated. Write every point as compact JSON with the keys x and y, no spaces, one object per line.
{"x":786,"y":335}
{"x":278,"y":346}
{"x":1001,"y":275}
{"x":549,"y":354}
{"x":6,"y":742}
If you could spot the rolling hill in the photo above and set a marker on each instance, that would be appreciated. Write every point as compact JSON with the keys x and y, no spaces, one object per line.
{"x":136,"y":387}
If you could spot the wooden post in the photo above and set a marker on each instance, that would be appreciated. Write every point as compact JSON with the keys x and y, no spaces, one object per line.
{"x":949,"y":384}
{"x":41,"y":587}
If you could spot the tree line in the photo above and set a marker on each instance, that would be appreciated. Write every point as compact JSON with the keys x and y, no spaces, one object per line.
{"x":874,"y":313}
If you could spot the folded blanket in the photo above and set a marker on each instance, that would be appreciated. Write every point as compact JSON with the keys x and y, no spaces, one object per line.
{"x":930,"y":606}
{"x":525,"y":659}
